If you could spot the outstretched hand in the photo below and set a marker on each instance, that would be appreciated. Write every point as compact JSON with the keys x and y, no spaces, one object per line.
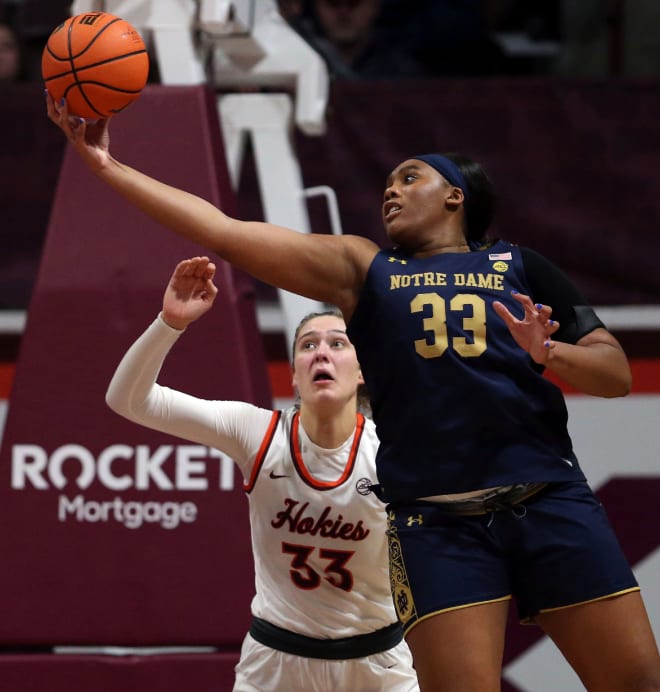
{"x":532,"y":333}
{"x":90,"y":138}
{"x":190,"y":292}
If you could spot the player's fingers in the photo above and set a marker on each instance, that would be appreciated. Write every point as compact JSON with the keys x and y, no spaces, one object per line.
{"x":522,"y":298}
{"x":50,"y":106}
{"x":504,"y":312}
{"x":77,"y":127}
{"x":544,"y":310}
{"x":62,"y":109}
{"x":56,"y":112}
{"x":526,"y":302}
{"x":73,"y":126}
{"x":190,"y":269}
{"x":208,"y":271}
{"x":211,"y":288}
{"x":182,"y":269}
{"x":552,"y":326}
{"x":199,"y":267}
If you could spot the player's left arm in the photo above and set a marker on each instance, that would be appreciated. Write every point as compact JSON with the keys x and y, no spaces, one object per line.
{"x":581,"y":350}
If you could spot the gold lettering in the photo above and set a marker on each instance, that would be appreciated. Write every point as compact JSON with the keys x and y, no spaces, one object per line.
{"x":491,"y":281}
{"x":488,"y":281}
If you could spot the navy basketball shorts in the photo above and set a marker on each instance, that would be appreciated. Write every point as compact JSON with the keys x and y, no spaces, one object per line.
{"x":553,"y":550}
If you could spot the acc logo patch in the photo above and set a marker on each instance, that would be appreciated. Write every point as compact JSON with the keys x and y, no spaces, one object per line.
{"x":500,"y":266}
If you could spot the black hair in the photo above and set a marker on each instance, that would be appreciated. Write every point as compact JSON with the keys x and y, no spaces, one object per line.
{"x":481,"y":201}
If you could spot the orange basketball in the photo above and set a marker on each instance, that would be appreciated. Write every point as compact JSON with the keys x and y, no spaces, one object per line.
{"x":98,"y":62}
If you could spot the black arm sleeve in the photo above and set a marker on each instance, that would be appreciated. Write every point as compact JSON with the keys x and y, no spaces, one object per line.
{"x":550,"y":286}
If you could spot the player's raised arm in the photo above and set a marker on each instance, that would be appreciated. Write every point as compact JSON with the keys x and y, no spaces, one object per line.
{"x":322,"y":267}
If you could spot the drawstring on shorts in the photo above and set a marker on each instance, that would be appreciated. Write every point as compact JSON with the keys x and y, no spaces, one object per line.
{"x":518,"y":511}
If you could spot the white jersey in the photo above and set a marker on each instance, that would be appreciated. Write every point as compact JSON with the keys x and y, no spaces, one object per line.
{"x":318,"y":534}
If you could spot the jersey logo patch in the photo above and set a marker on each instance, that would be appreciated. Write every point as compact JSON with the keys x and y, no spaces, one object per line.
{"x":364,"y":486}
{"x":272,"y":474}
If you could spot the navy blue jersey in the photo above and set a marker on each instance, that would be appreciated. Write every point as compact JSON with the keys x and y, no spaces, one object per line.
{"x":458,"y":405}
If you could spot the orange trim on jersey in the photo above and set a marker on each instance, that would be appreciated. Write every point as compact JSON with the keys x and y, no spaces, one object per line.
{"x":298,"y":462}
{"x":263,"y":450}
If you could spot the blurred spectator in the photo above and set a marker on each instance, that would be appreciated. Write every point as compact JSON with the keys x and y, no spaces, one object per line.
{"x":396,"y":38}
{"x":610,"y":37}
{"x":10,"y":55}
{"x":355,"y":44}
{"x":290,"y":9}
{"x":447,"y":37}
{"x":33,"y":21}
{"x":528,"y":34}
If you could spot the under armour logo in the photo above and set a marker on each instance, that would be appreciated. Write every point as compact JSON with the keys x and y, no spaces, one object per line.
{"x":396,"y":259}
{"x":419,"y":520}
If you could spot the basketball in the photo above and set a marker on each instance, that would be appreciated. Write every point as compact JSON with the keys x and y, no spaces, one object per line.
{"x":98,"y":62}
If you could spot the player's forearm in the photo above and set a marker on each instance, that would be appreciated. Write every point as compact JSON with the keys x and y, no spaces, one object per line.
{"x":599,"y":369}
{"x":134,"y":379}
{"x":321,"y":267}
{"x":182,"y":212}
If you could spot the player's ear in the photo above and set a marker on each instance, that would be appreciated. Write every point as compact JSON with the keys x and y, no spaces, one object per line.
{"x":455,"y":197}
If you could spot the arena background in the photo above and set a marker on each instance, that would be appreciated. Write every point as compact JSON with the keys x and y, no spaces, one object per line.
{"x":575,"y":165}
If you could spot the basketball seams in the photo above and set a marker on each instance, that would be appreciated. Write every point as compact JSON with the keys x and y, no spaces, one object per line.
{"x":91,"y":42}
{"x":76,"y":70}
{"x":103,"y":85}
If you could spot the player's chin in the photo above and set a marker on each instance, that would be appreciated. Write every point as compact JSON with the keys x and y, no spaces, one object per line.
{"x":395,"y":232}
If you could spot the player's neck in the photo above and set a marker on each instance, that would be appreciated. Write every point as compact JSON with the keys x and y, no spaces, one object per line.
{"x":329,"y":429}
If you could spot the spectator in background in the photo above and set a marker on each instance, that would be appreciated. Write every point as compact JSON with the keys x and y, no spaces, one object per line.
{"x":290,"y":9}
{"x":449,"y":38}
{"x":10,"y":55}
{"x":354,"y":43}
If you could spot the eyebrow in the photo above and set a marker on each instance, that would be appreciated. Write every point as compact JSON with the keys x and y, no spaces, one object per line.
{"x":409,"y":167}
{"x":317,"y":331}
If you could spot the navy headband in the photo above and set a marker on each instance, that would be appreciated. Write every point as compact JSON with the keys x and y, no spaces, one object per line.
{"x":447,"y":169}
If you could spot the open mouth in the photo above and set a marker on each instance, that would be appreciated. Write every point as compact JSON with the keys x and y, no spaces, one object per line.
{"x":322,"y":376}
{"x":390,"y":210}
